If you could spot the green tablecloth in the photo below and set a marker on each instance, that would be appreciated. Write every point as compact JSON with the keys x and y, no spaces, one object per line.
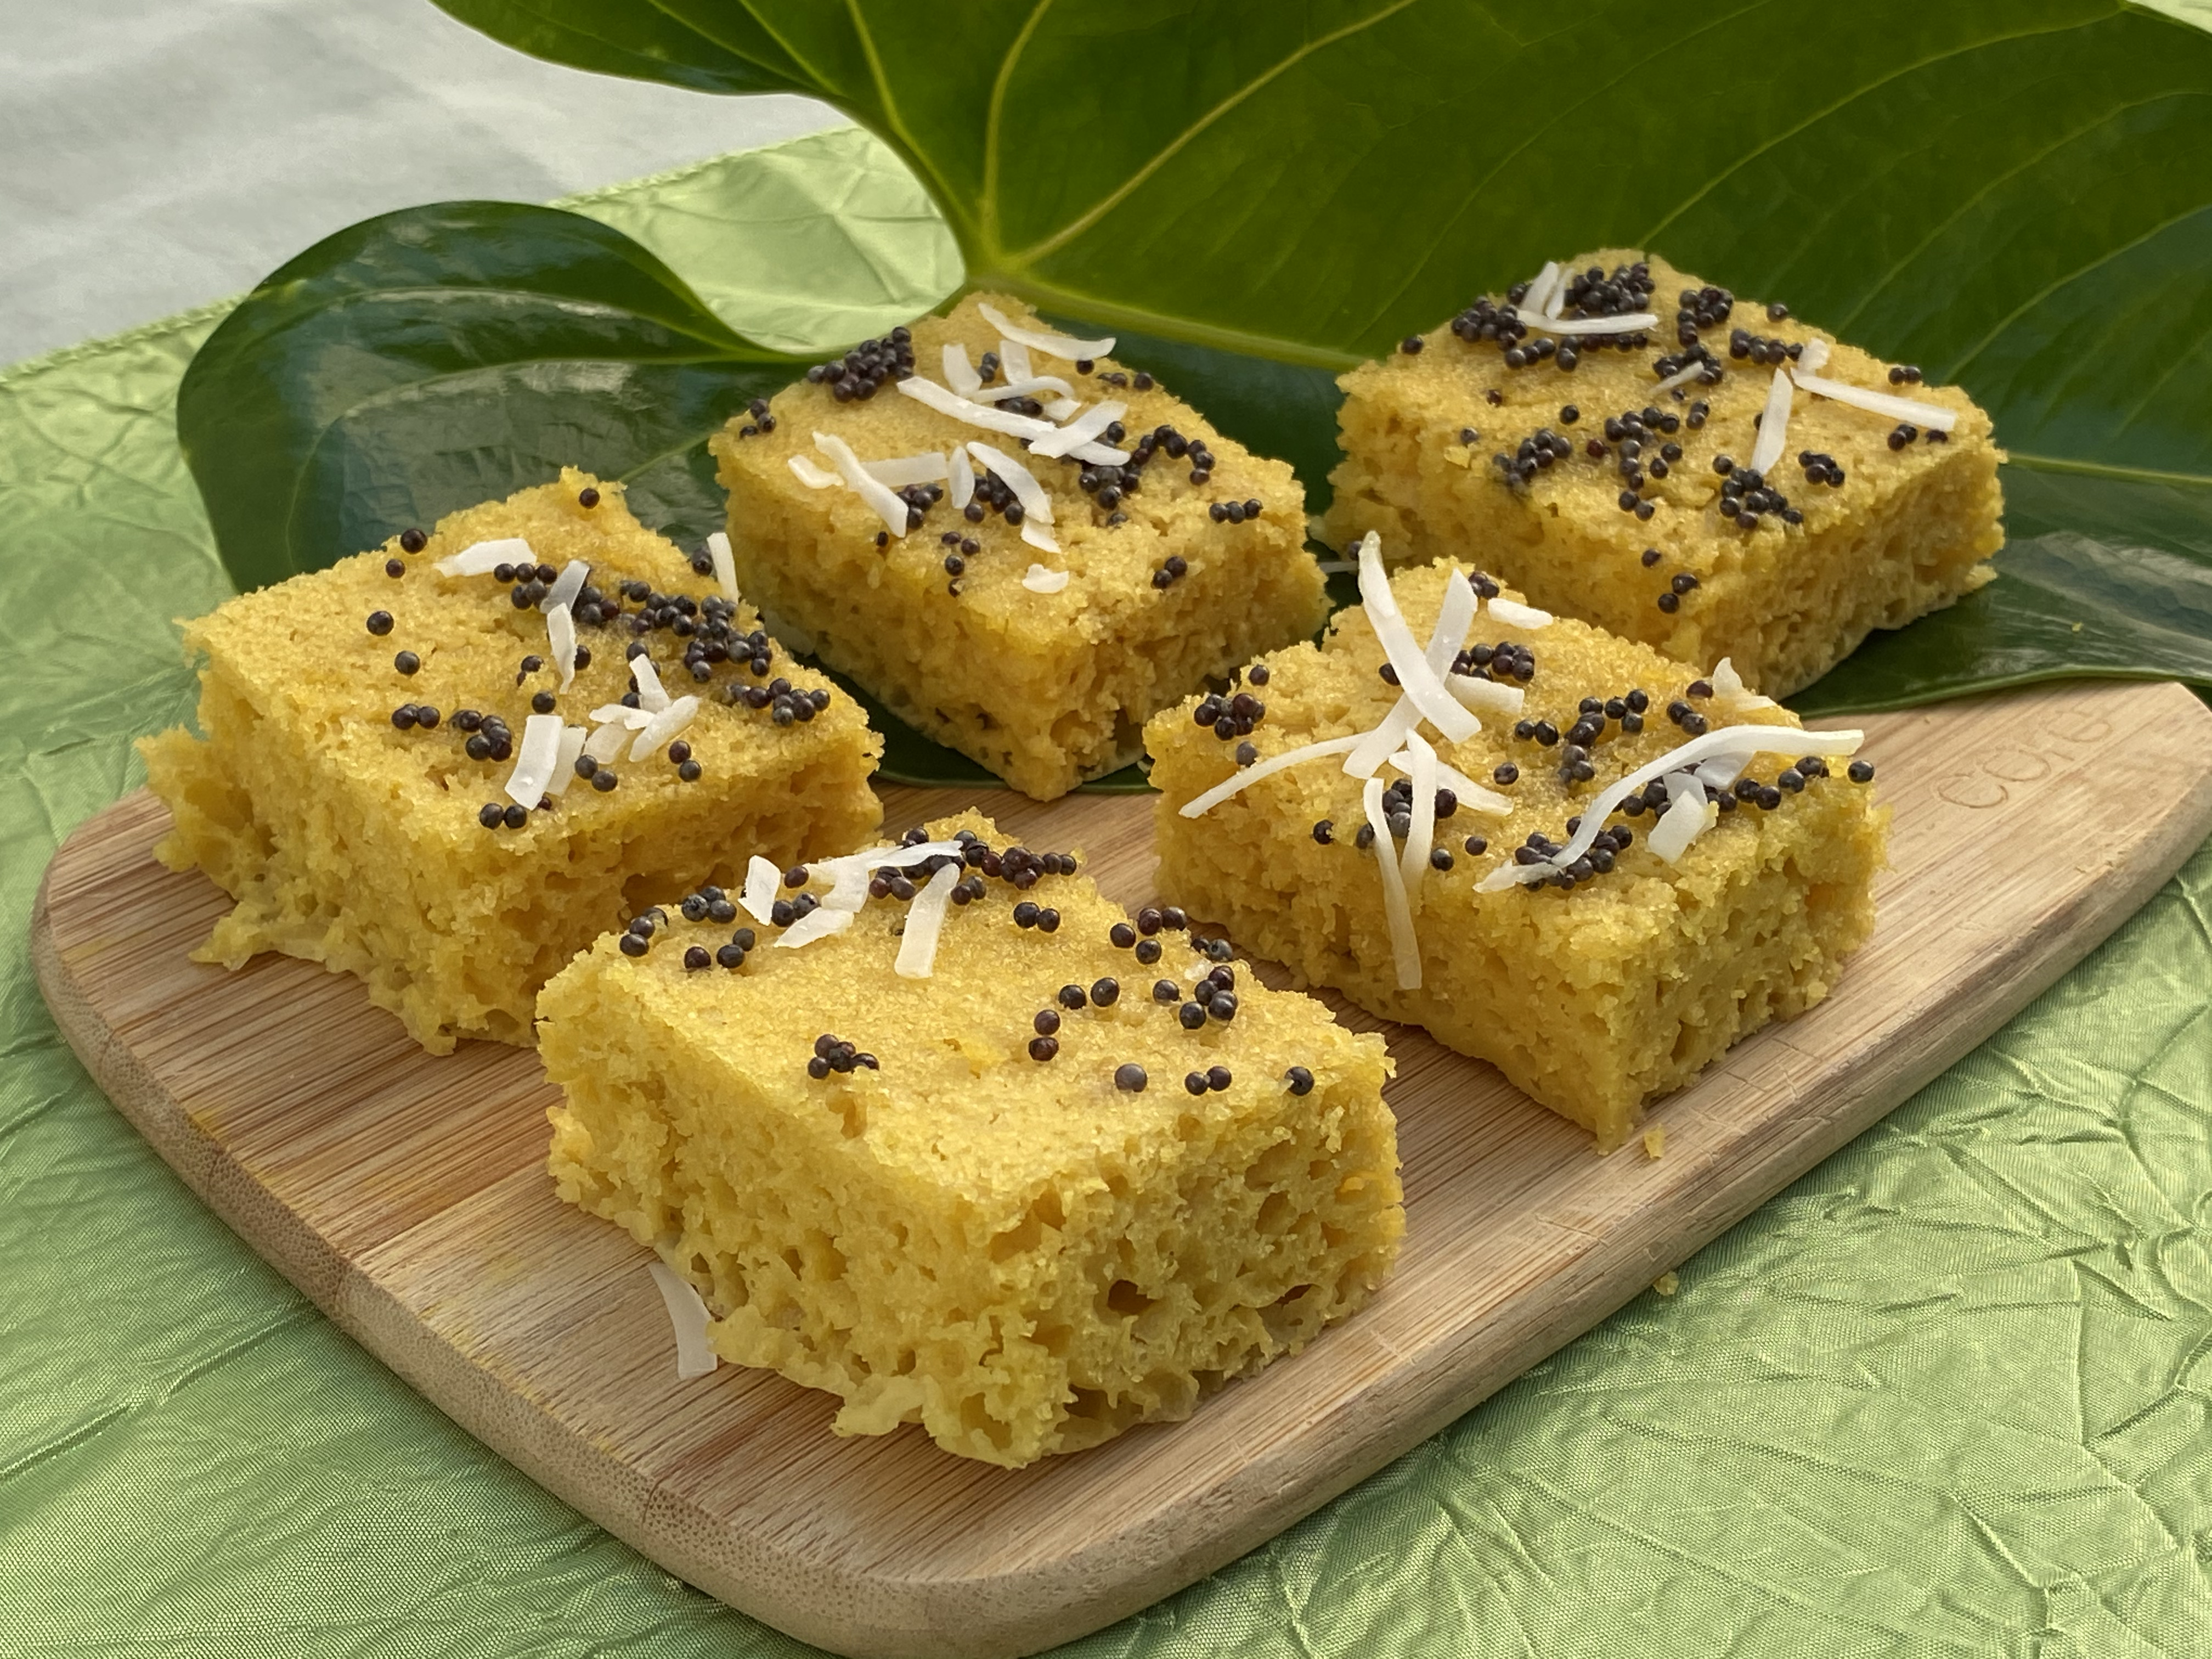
{"x":1946,"y":1397}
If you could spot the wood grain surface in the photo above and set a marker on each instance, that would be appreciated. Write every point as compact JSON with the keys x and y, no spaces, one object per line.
{"x":407,"y":1196}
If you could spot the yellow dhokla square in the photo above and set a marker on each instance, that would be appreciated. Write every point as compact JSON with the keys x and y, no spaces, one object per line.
{"x":1594,"y":489}
{"x":1037,"y":649}
{"x":1019,"y":1200}
{"x":365,"y":727}
{"x":1619,"y":975}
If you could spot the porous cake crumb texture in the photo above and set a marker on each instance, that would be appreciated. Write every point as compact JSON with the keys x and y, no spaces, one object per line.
{"x":1045,"y":688}
{"x":1594,"y":1001}
{"x":355,"y":842}
{"x":1021,"y":1255}
{"x":1908,"y":530}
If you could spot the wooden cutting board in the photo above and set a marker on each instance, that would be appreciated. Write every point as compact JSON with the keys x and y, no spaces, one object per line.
{"x":407,"y":1196}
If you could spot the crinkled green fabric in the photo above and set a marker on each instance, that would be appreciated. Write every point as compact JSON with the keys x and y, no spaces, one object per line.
{"x":1946,"y":1396}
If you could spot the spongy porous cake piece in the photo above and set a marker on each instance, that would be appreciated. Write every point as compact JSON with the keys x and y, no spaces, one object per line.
{"x":1164,"y":586}
{"x":1594,"y":998}
{"x":1024,"y":1255}
{"x":1909,"y":529}
{"x":356,"y":839}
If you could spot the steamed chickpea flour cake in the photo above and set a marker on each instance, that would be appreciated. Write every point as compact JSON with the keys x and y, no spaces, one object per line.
{"x":1593,"y":867}
{"x":1773,"y":505}
{"x":1021,"y":547}
{"x":448,"y":765}
{"x":938,"y":1129}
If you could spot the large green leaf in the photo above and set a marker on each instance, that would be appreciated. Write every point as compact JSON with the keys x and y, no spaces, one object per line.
{"x":425,"y":360}
{"x":2017,"y":196}
{"x":2013,"y":195}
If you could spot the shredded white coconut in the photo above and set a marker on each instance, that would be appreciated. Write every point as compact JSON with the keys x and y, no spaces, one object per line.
{"x":962,"y":475}
{"x":726,"y":567}
{"x":560,"y":642}
{"x":1477,"y":797}
{"x":1730,"y":690}
{"x":1047,"y":340}
{"x":974,"y":414}
{"x":1720,"y":774}
{"x":535,"y":758}
{"x":849,"y":890}
{"x":1030,"y":387}
{"x":1545,"y":292}
{"x":887,"y":856}
{"x":1404,"y":945}
{"x":1627,"y":323}
{"x":1039,"y":537}
{"x":925,"y":468}
{"x":813,"y":477}
{"x":622,"y":714}
{"x":1038,"y":579}
{"x":1932,"y":415}
{"x":1453,"y":617}
{"x":1773,"y":425}
{"x":815,"y":924}
{"x":1014,"y":359}
{"x":564,"y":762}
{"x":481,"y":558}
{"x":651,"y":696}
{"x":1383,"y":739}
{"x":1418,"y":680}
{"x":1036,"y":504}
{"x":1098,"y":455}
{"x":1682,"y":376}
{"x":849,"y":873}
{"x":1245,"y":777}
{"x":888,"y":507}
{"x":687,"y":1313}
{"x":762,"y":879}
{"x":1080,"y":430}
{"x":566,"y":585}
{"x":1061,"y":409}
{"x":1812,"y":358}
{"x":606,"y":741}
{"x":925,"y":922}
{"x":1514,"y":614}
{"x":1688,"y":814}
{"x":1729,"y":740}
{"x":665,"y":726}
{"x":1486,"y":697}
{"x":1420,"y":836}
{"x":959,"y":373}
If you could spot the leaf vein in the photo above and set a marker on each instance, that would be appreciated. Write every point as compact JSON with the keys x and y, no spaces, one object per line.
{"x":1845,"y":102}
{"x":1975,"y":200}
{"x":1174,"y":146}
{"x":993,"y":121}
{"x":1959,"y":365}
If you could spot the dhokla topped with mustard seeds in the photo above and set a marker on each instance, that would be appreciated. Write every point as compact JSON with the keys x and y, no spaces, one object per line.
{"x":1023,"y":548}
{"x":1560,"y":852}
{"x":938,"y":1129}
{"x":448,"y":765}
{"x":1631,"y":446}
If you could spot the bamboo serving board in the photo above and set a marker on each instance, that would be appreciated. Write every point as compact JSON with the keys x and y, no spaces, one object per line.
{"x":407,"y":1196}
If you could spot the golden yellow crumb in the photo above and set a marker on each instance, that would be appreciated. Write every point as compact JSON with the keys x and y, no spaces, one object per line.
{"x":1045,"y":688}
{"x":352,"y":840}
{"x":1018,"y":1248}
{"x":1592,"y":1001}
{"x":1667,"y":1283}
{"x":1655,"y":1141}
{"x":1908,"y":531}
